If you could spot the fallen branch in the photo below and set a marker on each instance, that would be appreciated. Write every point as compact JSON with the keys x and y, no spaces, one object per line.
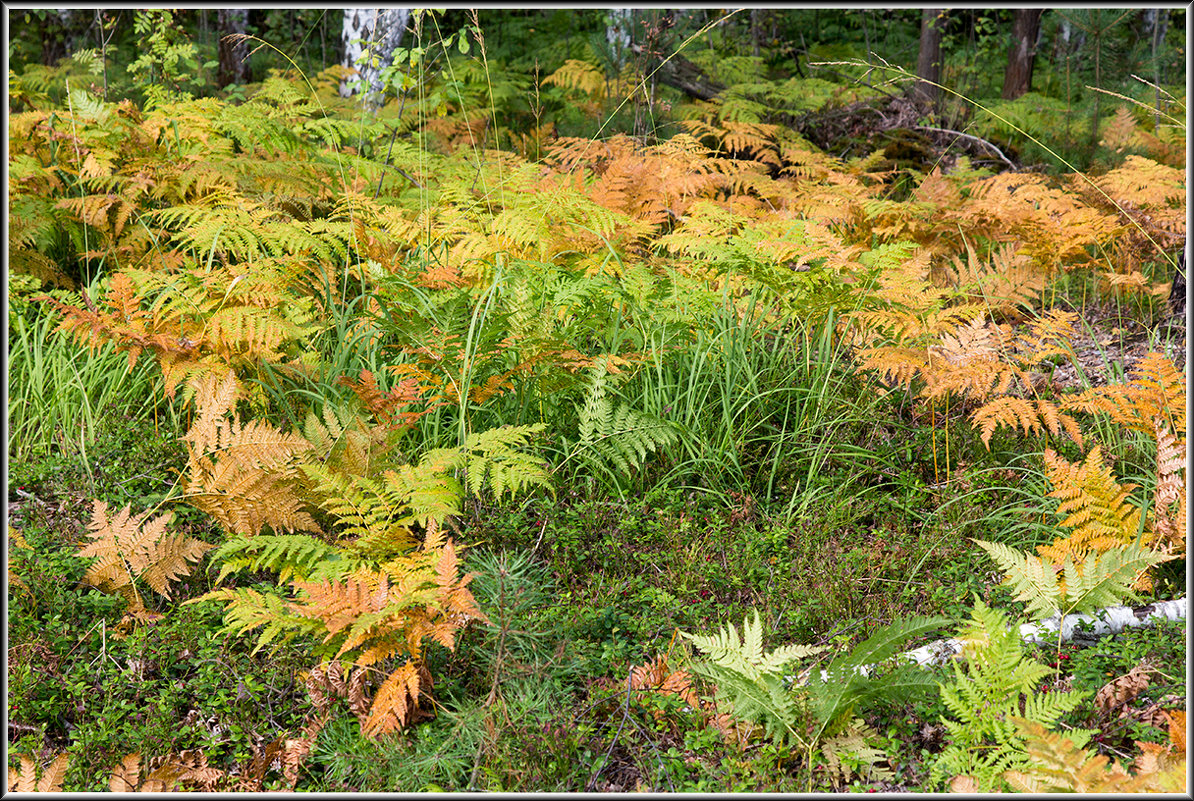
{"x":1084,"y":629}
{"x":971,"y":137}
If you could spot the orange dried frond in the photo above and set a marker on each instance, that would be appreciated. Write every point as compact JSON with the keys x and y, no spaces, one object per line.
{"x":1029,"y":415}
{"x":395,"y":702}
{"x":1006,"y":282}
{"x":389,"y":408}
{"x":1157,"y":388}
{"x":1143,"y":183}
{"x":25,"y":780}
{"x":129,"y":547}
{"x":1168,"y":515}
{"x":1095,"y":506}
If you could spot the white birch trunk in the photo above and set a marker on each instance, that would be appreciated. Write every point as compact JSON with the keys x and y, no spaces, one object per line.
{"x":1082,"y":629}
{"x":370,"y":37}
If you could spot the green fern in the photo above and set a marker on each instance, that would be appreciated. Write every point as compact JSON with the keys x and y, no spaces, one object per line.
{"x":613,"y":432}
{"x":848,"y":682}
{"x":818,"y":717}
{"x":493,"y":460}
{"x":248,"y":609}
{"x":1099,"y":580}
{"x":289,"y":555}
{"x":750,"y":682}
{"x":997,"y":683}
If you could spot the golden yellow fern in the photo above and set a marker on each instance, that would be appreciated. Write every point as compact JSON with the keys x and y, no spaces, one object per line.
{"x":242,"y":473}
{"x":1095,"y":506}
{"x":26,"y":781}
{"x":1157,"y":388}
{"x":126,"y":548}
{"x":1005,"y":283}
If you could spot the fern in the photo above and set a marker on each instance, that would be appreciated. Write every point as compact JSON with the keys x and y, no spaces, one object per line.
{"x":1058,"y":764}
{"x":1099,"y":580}
{"x":127,"y":548}
{"x":1095,"y":506}
{"x":26,"y":781}
{"x":1157,"y":389}
{"x":850,"y":752}
{"x":289,"y":555}
{"x":612,"y":431}
{"x":243,"y":474}
{"x":998,"y":682}
{"x":750,"y":682}
{"x":817,"y":717}
{"x":1168,"y":521}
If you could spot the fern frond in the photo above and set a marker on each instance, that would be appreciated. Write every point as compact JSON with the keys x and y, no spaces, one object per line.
{"x":395,"y":701}
{"x":615,"y":432}
{"x":995,"y":682}
{"x":494,"y":460}
{"x":1107,"y":579}
{"x":129,"y":547}
{"x":1097,"y":508}
{"x":749,"y":681}
{"x":1157,"y":389}
{"x":846,"y":682}
{"x":288,"y":555}
{"x":246,"y":609}
{"x":26,"y":781}
{"x":1100,"y":580}
{"x":1168,"y":522}
{"x":852,"y":741}
{"x":1059,"y":764}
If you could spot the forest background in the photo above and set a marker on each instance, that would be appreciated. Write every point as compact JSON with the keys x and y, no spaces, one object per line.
{"x":405,"y":400}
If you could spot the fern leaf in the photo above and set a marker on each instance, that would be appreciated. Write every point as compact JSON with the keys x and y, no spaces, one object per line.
{"x":395,"y":701}
{"x":1031,"y":578}
{"x":25,"y":780}
{"x":494,"y":459}
{"x":248,"y":609}
{"x":1107,"y":579}
{"x":288,"y":555}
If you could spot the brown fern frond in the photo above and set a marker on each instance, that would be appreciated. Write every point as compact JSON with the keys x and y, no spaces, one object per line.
{"x":389,"y":408}
{"x":242,"y":474}
{"x":26,"y":781}
{"x":129,"y":547}
{"x":1168,"y":516}
{"x":1057,"y":765}
{"x":1157,"y":388}
{"x":395,"y":702}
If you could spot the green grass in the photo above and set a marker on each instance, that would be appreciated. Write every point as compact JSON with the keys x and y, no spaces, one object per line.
{"x":60,"y":394}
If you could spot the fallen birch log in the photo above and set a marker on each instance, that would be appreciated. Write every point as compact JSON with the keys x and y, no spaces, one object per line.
{"x":1083,"y":629}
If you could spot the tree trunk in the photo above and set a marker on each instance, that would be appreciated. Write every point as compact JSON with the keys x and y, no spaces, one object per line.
{"x":370,"y":38}
{"x":1177,"y":291}
{"x":1026,"y":26}
{"x":233,"y":55}
{"x":680,"y":73}
{"x":618,"y":31}
{"x":928,"y":60}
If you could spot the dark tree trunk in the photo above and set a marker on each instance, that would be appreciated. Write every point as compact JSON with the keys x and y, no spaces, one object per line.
{"x":680,"y":73}
{"x":234,"y":54}
{"x":1026,"y":26}
{"x":1177,"y":292}
{"x":928,"y":60}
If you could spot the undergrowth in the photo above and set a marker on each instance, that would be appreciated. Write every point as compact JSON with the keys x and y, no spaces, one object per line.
{"x":480,"y":436}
